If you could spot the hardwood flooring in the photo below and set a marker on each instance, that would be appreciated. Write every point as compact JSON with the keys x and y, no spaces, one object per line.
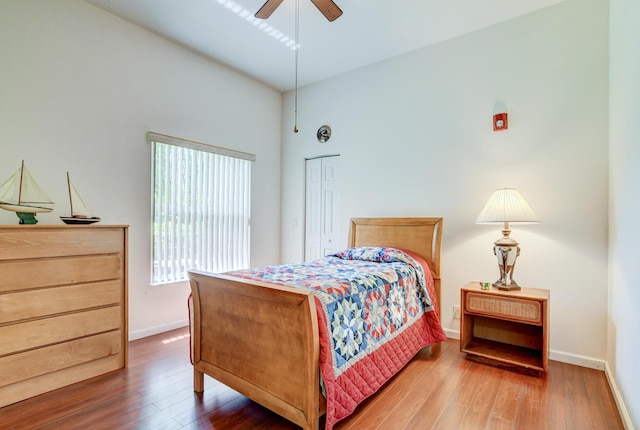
{"x":439,"y":390}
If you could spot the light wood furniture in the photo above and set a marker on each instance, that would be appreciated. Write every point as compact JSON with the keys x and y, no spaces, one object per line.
{"x":506,"y":328}
{"x":63,"y":306}
{"x":262,"y":339}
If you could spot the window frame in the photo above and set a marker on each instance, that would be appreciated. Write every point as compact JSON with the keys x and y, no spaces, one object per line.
{"x":153,"y":138}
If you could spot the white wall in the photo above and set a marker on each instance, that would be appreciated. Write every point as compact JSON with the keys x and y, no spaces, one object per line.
{"x":79,"y":89}
{"x":624,"y":291}
{"x":416,"y":139}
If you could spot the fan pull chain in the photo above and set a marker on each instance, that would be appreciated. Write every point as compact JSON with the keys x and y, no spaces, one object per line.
{"x":297,"y":35}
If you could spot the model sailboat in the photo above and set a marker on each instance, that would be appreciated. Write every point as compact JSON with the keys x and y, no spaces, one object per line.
{"x":22,"y":194}
{"x":79,"y":211}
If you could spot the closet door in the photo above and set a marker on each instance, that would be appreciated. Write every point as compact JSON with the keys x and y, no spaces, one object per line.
{"x":322,"y":232}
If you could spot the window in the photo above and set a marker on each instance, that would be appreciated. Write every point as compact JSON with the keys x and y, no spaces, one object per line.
{"x":201,"y":208}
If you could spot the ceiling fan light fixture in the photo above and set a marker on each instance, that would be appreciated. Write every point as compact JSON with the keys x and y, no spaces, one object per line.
{"x":329,"y":9}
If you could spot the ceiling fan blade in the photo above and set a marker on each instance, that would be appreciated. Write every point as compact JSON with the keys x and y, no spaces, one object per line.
{"x":267,"y":9}
{"x":328,"y":8}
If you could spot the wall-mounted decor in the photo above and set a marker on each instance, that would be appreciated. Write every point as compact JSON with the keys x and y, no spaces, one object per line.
{"x":500,"y":117}
{"x":324,"y":133}
{"x":500,"y":121}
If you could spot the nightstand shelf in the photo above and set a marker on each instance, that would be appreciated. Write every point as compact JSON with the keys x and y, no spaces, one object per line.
{"x":505,"y":328}
{"x":528,"y":357}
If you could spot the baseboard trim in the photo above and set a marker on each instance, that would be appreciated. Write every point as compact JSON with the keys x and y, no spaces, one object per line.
{"x":452,"y":334}
{"x":563,"y":357}
{"x":617,"y":396}
{"x":578,"y":360}
{"x":139,"y":334}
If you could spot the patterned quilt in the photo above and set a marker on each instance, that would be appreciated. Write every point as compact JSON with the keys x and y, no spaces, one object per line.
{"x":375,"y":312}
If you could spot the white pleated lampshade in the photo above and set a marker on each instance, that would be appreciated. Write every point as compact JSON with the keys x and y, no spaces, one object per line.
{"x":507,"y":205}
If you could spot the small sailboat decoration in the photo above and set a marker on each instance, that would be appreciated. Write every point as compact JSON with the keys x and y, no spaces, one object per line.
{"x":22,"y":194}
{"x":80,"y":213}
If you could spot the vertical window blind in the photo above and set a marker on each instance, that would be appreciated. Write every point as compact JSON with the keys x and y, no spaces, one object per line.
{"x":201,"y":208}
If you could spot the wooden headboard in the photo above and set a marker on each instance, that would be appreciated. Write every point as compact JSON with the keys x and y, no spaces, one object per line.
{"x":420,"y":235}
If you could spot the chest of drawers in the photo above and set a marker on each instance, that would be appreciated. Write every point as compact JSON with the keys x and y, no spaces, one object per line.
{"x":63,"y":306}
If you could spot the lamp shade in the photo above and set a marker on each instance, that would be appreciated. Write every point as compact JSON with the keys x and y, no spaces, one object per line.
{"x":506,"y":205}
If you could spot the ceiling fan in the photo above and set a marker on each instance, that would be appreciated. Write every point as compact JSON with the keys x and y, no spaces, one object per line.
{"x":328,"y":8}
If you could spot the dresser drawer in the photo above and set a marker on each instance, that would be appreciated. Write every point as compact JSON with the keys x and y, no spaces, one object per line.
{"x":529,"y":311}
{"x":52,"y":272}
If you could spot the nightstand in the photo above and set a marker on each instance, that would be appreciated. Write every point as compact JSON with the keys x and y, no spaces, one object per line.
{"x":508,"y":329}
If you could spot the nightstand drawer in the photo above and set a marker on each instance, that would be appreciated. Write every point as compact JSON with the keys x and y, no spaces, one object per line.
{"x":507,"y":307}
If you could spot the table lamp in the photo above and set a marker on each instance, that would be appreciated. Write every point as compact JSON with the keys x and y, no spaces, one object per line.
{"x":506,"y":205}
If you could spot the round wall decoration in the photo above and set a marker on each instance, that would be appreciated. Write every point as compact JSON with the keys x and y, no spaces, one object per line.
{"x":324,"y":133}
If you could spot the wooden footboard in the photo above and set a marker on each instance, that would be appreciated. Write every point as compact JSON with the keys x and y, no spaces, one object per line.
{"x":261,"y":340}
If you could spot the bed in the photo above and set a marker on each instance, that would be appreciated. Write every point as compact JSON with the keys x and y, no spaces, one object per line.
{"x":264,"y":339}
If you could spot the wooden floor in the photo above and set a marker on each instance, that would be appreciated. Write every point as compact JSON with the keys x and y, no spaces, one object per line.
{"x":435,"y":391}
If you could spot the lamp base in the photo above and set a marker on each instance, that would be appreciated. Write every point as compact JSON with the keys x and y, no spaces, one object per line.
{"x":507,"y":252}
{"x":500,"y":286}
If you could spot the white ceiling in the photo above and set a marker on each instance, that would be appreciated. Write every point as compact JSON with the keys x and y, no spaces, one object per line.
{"x":368,"y":31}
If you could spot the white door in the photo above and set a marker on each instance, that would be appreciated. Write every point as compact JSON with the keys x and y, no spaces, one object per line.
{"x":322,"y":232}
